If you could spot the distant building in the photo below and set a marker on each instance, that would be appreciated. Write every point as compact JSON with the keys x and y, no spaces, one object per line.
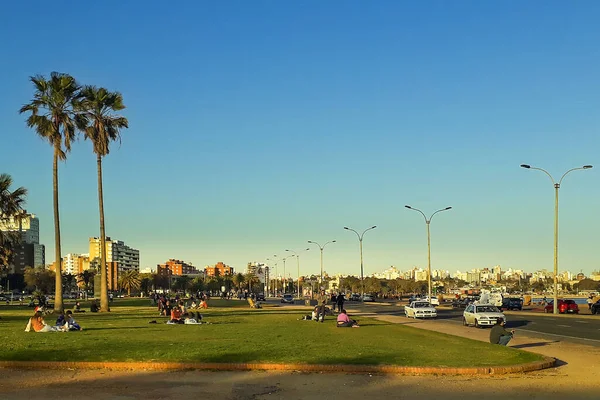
{"x":127,"y":258}
{"x":30,"y":253}
{"x":176,"y":267}
{"x":219,"y":269}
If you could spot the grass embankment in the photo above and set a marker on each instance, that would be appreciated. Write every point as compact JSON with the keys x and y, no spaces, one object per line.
{"x":240,"y":334}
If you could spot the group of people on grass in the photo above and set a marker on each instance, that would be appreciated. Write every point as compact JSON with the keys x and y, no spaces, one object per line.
{"x":320,"y":311}
{"x":64,"y":323}
{"x":165,"y":304}
{"x":179,"y":314}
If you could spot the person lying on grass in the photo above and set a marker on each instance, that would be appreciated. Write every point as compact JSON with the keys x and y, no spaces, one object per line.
{"x":343,"y":321}
{"x":39,"y":325}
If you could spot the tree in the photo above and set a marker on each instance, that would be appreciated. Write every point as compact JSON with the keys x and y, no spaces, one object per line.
{"x":183,"y":283}
{"x":84,"y":279}
{"x":102,"y":126}
{"x":11,"y":205}
{"x":39,"y":279}
{"x":129,"y":280}
{"x":53,"y":118}
{"x":238,"y":280}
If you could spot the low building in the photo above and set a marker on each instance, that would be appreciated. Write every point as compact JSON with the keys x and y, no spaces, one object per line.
{"x":176,"y":267}
{"x":219,"y":269}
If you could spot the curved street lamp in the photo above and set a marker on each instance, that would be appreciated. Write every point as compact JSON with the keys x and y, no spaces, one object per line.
{"x":298,"y":260}
{"x":275,"y":281}
{"x":321,"y":248}
{"x":556,"y":187}
{"x":284,"y":279}
{"x":427,"y":222}
{"x":360,"y":240}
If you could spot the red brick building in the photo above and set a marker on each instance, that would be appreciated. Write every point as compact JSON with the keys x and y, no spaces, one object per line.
{"x":176,"y":267}
{"x":219,"y":269}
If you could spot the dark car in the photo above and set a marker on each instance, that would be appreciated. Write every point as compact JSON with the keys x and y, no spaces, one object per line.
{"x":287,"y":298}
{"x":260,"y":297}
{"x":464,"y":302}
{"x":512,"y":303}
{"x":564,"y":306}
{"x":596,"y":307}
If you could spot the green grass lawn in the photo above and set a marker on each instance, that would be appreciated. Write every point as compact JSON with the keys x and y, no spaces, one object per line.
{"x":240,"y":334}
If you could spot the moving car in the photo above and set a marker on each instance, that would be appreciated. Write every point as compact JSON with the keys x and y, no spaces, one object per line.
{"x":434,"y":300}
{"x":260,"y":297}
{"x":368,"y":297}
{"x":512,"y":303}
{"x":287,"y":298}
{"x":354,"y":297}
{"x":480,"y":315}
{"x":420,"y":309}
{"x":464,"y":302}
{"x":564,"y":306}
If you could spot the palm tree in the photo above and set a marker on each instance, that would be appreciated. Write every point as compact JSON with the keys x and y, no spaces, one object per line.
{"x":97,"y":107}
{"x":11,"y":205}
{"x":53,"y":118}
{"x":84,"y":279}
{"x":130,"y":280}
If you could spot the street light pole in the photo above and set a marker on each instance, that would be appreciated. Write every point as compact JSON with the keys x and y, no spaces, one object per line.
{"x":360,"y":240}
{"x":276,"y":286}
{"x":428,"y":222}
{"x":298,"y":264}
{"x":556,"y":187}
{"x":284,"y":278}
{"x":321,"y":248}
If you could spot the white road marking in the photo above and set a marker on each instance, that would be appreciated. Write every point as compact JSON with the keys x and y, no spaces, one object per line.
{"x":582,"y":322}
{"x":564,"y":326}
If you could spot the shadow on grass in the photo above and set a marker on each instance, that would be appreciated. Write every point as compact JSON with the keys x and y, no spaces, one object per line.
{"x":120,"y":328}
{"x":537,"y":344}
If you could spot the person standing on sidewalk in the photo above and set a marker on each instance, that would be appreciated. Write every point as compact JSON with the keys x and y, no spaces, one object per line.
{"x":590,"y":301}
{"x":499,"y":335}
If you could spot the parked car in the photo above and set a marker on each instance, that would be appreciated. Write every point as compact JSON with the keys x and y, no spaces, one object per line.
{"x":287,"y":298}
{"x":480,"y":315}
{"x":420,"y":309}
{"x":354,"y":297}
{"x":596,"y":307}
{"x":564,"y":306}
{"x":367,"y":297}
{"x":512,"y":303}
{"x":464,"y":302}
{"x":260,"y":297}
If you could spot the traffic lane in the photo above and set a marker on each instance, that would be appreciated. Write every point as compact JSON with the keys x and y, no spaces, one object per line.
{"x":573,"y":329}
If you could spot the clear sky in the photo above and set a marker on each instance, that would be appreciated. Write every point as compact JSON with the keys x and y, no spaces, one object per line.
{"x":259,"y":125}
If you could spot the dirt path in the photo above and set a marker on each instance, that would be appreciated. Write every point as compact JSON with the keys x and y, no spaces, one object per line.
{"x":576,"y":377}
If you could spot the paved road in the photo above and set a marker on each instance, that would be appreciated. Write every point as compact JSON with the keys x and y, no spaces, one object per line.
{"x":572,"y":328}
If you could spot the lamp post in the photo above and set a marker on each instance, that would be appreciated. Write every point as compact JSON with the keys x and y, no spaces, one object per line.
{"x":298,"y":263}
{"x":428,"y":222}
{"x":360,"y":240}
{"x":556,"y":187}
{"x":276,"y":286}
{"x":284,"y":279}
{"x":321,"y":248}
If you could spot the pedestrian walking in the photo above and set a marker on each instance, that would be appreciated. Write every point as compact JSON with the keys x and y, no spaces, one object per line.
{"x":340,"y":302}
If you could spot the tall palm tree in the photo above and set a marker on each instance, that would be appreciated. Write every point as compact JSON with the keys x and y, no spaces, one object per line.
{"x":97,"y":107}
{"x":130,"y":280}
{"x":53,"y":118}
{"x":11,"y":205}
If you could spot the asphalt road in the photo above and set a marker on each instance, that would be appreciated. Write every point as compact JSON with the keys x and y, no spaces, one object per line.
{"x":570,"y":328}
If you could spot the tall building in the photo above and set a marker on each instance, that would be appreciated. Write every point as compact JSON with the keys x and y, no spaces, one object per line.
{"x":125,"y":257}
{"x":30,"y":253}
{"x":176,"y":267}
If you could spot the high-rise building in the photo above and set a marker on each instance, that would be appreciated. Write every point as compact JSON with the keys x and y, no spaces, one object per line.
{"x":30,"y":253}
{"x":127,"y":258}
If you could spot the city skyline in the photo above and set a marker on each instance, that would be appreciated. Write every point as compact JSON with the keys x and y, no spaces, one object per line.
{"x":257,"y":128}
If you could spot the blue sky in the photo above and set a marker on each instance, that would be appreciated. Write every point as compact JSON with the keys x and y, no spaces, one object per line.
{"x":256,"y":126}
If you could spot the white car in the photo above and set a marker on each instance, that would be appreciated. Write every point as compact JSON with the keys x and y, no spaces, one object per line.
{"x":480,"y":315}
{"x":420,"y":309}
{"x":434,"y":300}
{"x":367,"y":297}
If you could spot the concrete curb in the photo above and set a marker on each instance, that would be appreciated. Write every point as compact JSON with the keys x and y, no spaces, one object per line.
{"x":548,"y":362}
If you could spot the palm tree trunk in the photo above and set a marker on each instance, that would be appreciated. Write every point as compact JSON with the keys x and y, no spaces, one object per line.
{"x":104,"y":306}
{"x":58,"y":298}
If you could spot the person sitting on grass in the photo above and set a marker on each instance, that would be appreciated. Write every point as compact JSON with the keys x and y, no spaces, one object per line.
{"x":188,"y":319}
{"x":77,"y":308}
{"x":60,"y":321}
{"x":176,"y":316}
{"x":94,"y":306}
{"x":70,"y":322}
{"x":343,"y":321}
{"x":38,"y":324}
{"x":499,"y":335}
{"x":203,"y":304}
